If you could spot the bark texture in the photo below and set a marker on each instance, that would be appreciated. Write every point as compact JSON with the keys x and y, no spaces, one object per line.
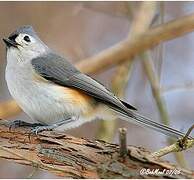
{"x":73,"y":157}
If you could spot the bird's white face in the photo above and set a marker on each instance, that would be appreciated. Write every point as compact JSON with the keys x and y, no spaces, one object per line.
{"x":25,"y":40}
{"x":24,"y":47}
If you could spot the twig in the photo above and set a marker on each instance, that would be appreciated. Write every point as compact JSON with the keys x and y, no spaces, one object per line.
{"x":155,"y":86}
{"x":184,"y":139}
{"x":123,"y":142}
{"x":139,"y":25}
{"x":180,"y":145}
{"x":169,"y":149}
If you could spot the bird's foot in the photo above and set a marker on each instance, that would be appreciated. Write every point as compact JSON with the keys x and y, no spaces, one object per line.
{"x":39,"y":129}
{"x":44,"y":127}
{"x":19,"y":123}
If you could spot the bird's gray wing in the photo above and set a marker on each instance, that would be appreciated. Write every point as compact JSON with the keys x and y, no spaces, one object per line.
{"x":56,"y":69}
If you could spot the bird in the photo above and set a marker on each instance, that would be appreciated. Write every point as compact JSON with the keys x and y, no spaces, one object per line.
{"x":55,"y":94}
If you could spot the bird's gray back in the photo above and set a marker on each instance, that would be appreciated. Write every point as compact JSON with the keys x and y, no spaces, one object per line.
{"x":58,"y":70}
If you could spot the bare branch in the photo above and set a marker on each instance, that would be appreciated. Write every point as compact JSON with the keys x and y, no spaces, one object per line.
{"x":173,"y":148}
{"x":139,"y":25}
{"x":127,"y":48}
{"x":160,"y":101}
{"x":72,"y":157}
{"x":123,"y":141}
{"x":180,"y":145}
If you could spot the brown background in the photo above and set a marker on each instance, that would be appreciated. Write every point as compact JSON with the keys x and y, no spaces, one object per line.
{"x":81,"y":29}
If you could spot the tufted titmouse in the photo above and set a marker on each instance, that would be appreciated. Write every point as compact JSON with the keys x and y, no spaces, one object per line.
{"x":57,"y":95}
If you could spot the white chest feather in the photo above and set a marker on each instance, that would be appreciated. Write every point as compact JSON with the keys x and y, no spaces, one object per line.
{"x":41,"y":100}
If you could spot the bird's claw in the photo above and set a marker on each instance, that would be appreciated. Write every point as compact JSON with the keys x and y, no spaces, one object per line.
{"x":39,"y":129}
{"x":17,"y":124}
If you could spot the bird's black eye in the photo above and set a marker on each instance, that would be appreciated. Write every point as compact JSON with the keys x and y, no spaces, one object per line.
{"x":26,"y":38}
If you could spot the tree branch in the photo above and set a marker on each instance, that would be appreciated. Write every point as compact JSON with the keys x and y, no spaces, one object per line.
{"x":180,"y":145}
{"x":176,"y":147}
{"x":160,"y":101}
{"x":72,"y":157}
{"x":139,"y":25}
{"x":127,"y":48}
{"x":173,"y":148}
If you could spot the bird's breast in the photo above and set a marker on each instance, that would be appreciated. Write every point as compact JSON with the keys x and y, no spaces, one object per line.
{"x":45,"y":101}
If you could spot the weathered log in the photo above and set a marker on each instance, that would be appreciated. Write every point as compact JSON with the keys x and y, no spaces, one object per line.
{"x":68,"y":156}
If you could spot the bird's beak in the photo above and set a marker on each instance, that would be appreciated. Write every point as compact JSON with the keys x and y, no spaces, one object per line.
{"x":10,"y":43}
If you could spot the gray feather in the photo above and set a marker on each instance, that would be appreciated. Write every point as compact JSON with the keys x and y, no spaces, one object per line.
{"x":26,"y":29}
{"x":56,"y":69}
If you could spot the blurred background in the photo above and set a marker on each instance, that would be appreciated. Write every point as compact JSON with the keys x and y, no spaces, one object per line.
{"x":78,"y":30}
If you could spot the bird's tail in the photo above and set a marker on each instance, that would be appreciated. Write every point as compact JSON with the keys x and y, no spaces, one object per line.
{"x":138,"y":119}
